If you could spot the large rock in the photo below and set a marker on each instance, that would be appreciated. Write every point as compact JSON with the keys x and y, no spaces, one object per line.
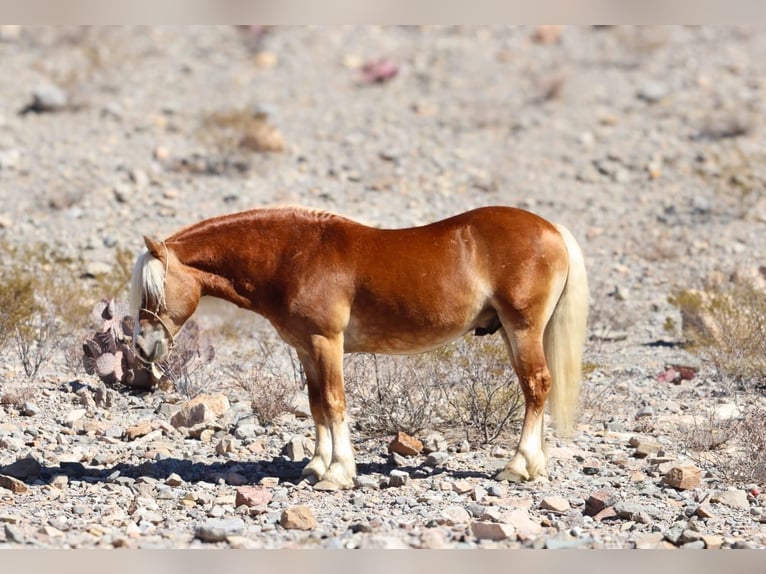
{"x":252,"y":496}
{"x":199,"y":410}
{"x":683,"y":477}
{"x":405,"y":445}
{"x":13,"y":484}
{"x":299,"y":517}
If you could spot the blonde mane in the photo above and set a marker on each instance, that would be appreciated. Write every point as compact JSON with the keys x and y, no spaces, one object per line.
{"x":147,"y":286}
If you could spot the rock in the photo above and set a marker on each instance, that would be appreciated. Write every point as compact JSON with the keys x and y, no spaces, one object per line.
{"x":47,"y":98}
{"x":367,"y":481}
{"x":298,"y":517}
{"x":652,"y":92}
{"x":652,"y":541}
{"x":637,"y":512}
{"x":683,"y":477}
{"x":13,"y":484}
{"x":174,"y":479}
{"x":462,"y":486}
{"x":326,"y":486}
{"x":606,"y":514}
{"x":712,"y":541}
{"x":226,"y":445}
{"x":405,"y":445}
{"x":522,"y":523}
{"x":555,"y":503}
{"x":14,"y":534}
{"x":30,"y":409}
{"x":492,"y":531}
{"x":246,"y":430}
{"x":732,"y":497}
{"x":294,"y":449}
{"x":436,"y":458}
{"x":252,"y":496}
{"x":199,"y":410}
{"x":547,"y":34}
{"x":73,"y":416}
{"x":452,"y":515}
{"x":599,"y":500}
{"x":646,"y":447}
{"x":704,"y":511}
{"x":398,"y":478}
{"x":479,"y":493}
{"x":23,"y":468}
{"x":434,"y":442}
{"x":217,"y":529}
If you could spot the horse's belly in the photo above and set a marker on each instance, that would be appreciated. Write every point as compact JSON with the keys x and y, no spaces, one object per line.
{"x":406,"y":335}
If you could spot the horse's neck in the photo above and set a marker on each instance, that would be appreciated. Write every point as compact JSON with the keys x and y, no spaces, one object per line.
{"x":224,"y":270}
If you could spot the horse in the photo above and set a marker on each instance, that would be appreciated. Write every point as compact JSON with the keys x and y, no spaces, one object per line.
{"x":330,"y":286}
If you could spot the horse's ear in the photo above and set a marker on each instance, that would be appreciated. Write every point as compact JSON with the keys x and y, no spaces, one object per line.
{"x":154,"y":246}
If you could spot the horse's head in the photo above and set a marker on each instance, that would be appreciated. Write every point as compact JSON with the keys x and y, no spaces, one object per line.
{"x":163,"y":295}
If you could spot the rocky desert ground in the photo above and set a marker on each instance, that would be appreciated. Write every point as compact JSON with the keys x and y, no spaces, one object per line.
{"x":646,"y":142}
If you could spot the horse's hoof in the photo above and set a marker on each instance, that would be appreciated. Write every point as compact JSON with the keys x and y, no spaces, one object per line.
{"x":511,"y":476}
{"x":314,"y":470}
{"x":339,"y":475}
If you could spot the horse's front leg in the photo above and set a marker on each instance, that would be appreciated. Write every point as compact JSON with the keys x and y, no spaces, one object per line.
{"x":327,"y":363}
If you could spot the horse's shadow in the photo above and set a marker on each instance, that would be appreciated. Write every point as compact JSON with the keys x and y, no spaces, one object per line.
{"x":233,"y":472}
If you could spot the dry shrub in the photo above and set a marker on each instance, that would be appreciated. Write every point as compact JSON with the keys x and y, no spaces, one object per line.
{"x":728,"y":328}
{"x":484,"y":397}
{"x":734,"y":447}
{"x":271,"y":376}
{"x":468,"y":384}
{"x":749,"y":462}
{"x":389,"y":394}
{"x":241,"y":130}
{"x":45,"y":303}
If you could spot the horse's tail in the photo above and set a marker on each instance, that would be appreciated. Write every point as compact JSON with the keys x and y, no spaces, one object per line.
{"x":565,"y":338}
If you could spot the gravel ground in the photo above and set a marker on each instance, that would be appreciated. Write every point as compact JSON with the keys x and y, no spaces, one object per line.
{"x":645,"y":142}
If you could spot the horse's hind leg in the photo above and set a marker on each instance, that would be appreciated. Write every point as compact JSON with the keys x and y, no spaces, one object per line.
{"x":326,"y":357}
{"x":528,"y":358}
{"x":320,"y":462}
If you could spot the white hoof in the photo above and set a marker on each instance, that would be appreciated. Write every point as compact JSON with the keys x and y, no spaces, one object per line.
{"x":316,"y":468}
{"x":340,"y":474}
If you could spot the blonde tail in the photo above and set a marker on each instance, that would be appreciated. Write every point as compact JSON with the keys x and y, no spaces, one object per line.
{"x":565,"y":338}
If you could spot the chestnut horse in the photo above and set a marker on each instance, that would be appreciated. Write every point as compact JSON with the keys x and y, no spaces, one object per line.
{"x":331,"y":286}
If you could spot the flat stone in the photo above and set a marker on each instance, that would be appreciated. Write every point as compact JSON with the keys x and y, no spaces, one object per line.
{"x":733,"y":497}
{"x":453,"y":515}
{"x":13,"y":484}
{"x":492,"y":531}
{"x":555,"y":503}
{"x":326,"y":486}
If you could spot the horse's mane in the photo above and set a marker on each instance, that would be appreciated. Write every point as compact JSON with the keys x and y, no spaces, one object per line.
{"x":280,"y":212}
{"x":147,"y":286}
